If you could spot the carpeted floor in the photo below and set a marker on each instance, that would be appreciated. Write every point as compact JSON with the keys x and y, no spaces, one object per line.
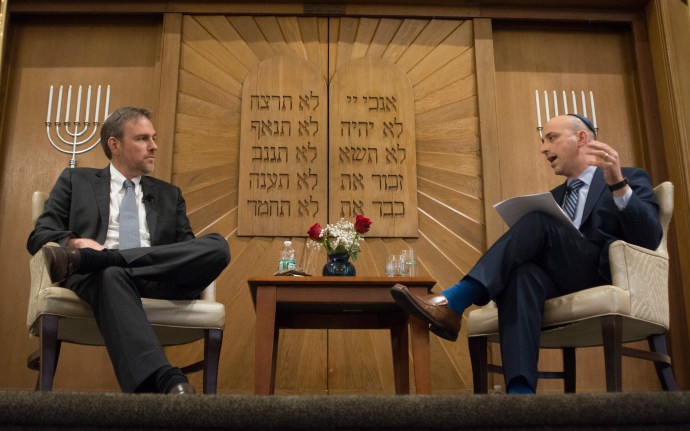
{"x":25,"y":410}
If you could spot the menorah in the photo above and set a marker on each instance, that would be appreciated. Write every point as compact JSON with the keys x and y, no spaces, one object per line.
{"x":565,"y":108}
{"x":76,"y":137}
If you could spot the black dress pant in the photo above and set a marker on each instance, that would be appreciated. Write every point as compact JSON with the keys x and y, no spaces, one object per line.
{"x":175,"y":271}
{"x":536,"y":259}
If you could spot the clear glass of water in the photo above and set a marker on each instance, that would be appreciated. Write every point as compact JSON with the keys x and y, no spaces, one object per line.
{"x":411,"y":266}
{"x":392,"y":265}
{"x":312,"y":257}
{"x":402,"y":263}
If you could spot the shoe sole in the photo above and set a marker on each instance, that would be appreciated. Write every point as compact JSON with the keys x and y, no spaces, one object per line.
{"x":403,"y":299}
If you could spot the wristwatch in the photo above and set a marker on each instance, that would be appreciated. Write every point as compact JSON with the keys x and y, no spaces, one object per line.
{"x":618,"y":186}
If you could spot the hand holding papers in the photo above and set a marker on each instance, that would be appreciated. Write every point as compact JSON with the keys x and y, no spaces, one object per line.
{"x":512,"y":209}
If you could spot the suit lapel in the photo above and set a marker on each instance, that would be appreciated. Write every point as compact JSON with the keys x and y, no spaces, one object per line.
{"x":101,"y":188}
{"x":595,"y":190}
{"x":559,"y":193}
{"x":150,"y":191}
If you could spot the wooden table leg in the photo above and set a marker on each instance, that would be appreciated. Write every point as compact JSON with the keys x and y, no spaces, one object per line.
{"x":421,"y":355}
{"x":266,"y":341}
{"x":401,"y":359}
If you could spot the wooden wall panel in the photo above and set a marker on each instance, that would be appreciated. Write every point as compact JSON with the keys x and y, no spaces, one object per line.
{"x":48,"y":51}
{"x":669,"y":43}
{"x":215,"y":54}
{"x":562,"y":60}
{"x":437,"y":56}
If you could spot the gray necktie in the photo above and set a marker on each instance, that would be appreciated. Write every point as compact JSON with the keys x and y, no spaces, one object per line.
{"x":571,"y":197}
{"x":129,"y":218}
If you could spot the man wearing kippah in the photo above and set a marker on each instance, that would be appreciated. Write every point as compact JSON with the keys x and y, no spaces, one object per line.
{"x":539,"y":258}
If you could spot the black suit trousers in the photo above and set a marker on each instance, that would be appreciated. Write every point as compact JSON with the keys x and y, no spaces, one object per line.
{"x":536,"y":259}
{"x":175,"y":271}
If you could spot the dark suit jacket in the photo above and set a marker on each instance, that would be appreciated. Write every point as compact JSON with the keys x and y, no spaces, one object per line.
{"x":603,"y":222}
{"x":79,"y":206}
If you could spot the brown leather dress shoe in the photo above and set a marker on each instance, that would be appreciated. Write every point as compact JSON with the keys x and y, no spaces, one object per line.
{"x":61,"y":262}
{"x":432,"y":309}
{"x":182,"y":389}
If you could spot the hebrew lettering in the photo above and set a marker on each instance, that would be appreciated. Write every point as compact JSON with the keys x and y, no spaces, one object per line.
{"x":390,"y":208}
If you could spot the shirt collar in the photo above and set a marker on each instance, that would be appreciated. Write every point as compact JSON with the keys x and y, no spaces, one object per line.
{"x":586,"y":175}
{"x":118,"y":178}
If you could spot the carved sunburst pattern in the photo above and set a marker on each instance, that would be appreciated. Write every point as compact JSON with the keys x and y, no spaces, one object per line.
{"x":217,"y":53}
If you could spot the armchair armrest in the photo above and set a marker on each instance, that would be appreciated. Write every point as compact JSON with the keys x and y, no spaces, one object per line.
{"x":644,"y":274}
{"x":39,"y":281}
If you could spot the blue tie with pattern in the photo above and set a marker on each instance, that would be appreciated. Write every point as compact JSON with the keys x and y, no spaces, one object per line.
{"x":129,"y":218}
{"x":571,"y":197}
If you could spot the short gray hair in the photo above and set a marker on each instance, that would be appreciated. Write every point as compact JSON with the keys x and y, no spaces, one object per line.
{"x":114,"y":124}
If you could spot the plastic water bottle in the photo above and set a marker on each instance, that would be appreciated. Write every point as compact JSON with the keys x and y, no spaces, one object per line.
{"x":287,"y":257}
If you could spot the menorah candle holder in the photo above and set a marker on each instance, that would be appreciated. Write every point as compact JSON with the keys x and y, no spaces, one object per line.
{"x":77,"y":136}
{"x":565,"y":108}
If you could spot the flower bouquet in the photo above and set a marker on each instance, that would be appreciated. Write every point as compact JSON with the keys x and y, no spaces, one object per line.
{"x":341,"y":241}
{"x":342,"y":237}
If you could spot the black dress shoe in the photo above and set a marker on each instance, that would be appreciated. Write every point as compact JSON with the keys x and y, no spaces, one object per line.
{"x":61,"y":262}
{"x":182,"y":389}
{"x":430,"y":308}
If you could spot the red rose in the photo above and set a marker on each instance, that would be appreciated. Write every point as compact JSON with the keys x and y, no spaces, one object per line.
{"x":362,"y":224}
{"x":314,"y":232}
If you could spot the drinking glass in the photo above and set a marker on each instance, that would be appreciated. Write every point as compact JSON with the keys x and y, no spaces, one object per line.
{"x":392,"y":265}
{"x":312,"y":257}
{"x":402,"y":263}
{"x":411,"y":267}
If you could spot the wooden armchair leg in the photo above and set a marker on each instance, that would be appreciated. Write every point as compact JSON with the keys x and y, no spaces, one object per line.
{"x":569,"y":370}
{"x":657,"y":344}
{"x":480,"y":367}
{"x":612,"y":333}
{"x":49,"y":352}
{"x":212,"y":344}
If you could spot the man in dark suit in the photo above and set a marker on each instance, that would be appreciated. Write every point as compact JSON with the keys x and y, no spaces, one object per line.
{"x":540,"y":258}
{"x":85,"y":214}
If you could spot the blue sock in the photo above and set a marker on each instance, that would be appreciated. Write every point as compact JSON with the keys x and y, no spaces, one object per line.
{"x":466,"y":292}
{"x":519,"y":385}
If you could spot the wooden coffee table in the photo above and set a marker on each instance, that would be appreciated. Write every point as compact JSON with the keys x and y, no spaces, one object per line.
{"x":288,"y":302}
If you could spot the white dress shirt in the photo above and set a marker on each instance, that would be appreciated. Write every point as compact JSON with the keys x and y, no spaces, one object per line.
{"x":586,"y":177}
{"x":117,"y":192}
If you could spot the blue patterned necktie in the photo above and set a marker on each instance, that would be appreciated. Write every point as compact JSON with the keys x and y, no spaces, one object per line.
{"x":129,"y":218}
{"x":571,"y":197}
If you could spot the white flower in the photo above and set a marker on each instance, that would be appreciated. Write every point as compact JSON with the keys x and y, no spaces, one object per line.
{"x":341,"y":238}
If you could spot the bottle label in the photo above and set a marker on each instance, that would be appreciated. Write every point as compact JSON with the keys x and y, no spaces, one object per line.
{"x":287,"y":265}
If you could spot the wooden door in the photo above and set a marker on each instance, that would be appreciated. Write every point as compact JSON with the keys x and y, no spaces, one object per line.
{"x":438,"y":59}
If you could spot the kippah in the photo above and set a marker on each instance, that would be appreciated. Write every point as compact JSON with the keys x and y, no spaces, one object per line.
{"x":585,"y":120}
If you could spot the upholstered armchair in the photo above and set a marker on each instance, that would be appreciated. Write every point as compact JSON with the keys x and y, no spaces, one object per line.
{"x":634,"y":307}
{"x":57,"y":315}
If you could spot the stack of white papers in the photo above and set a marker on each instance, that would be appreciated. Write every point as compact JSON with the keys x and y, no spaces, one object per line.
{"x":512,"y":209}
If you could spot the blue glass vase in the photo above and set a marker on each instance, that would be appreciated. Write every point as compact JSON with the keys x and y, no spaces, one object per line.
{"x":339,"y":265}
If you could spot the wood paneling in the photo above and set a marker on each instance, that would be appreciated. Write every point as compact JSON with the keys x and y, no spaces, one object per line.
{"x":669,"y":43}
{"x":457,"y":180}
{"x":284,"y":152}
{"x":437,"y":57}
{"x":372,"y":156}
